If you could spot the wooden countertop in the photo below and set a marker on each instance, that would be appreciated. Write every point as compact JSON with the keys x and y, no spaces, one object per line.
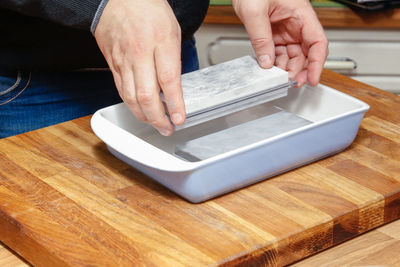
{"x":329,"y":17}
{"x":9,"y":259}
{"x":65,"y":200}
{"x":379,"y":247}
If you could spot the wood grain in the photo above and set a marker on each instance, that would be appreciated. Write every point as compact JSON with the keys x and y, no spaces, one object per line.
{"x":65,"y":200}
{"x":382,"y":239}
{"x":9,"y":259}
{"x":329,"y":18}
{"x":376,"y":248}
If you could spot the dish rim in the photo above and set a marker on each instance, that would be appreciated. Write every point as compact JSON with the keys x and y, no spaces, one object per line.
{"x":167,"y":162}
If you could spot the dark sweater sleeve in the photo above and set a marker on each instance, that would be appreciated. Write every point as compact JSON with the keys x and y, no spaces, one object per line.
{"x":79,"y":14}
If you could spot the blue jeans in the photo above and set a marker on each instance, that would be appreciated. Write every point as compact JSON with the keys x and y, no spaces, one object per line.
{"x":32,"y":100}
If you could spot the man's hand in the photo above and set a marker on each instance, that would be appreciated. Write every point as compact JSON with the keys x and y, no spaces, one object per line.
{"x":141,"y":41}
{"x":287,"y":33}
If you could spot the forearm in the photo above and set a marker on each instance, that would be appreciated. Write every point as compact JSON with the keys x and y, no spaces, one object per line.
{"x":80,"y":14}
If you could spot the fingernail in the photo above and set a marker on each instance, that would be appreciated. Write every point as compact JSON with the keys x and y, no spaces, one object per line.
{"x":264,"y":61}
{"x":177,"y":118}
{"x":165,"y":132}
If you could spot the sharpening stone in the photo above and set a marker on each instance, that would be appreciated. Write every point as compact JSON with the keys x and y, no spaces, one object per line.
{"x":227,"y":84}
{"x":240,"y":135}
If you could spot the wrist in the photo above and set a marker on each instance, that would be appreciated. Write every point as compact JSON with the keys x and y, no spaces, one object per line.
{"x":97,"y":16}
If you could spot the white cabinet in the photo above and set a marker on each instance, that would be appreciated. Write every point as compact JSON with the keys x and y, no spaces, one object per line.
{"x":370,"y":56}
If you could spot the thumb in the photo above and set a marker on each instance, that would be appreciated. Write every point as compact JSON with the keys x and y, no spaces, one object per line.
{"x":258,"y":27}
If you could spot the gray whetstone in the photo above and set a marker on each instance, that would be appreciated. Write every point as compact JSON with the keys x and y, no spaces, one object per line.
{"x":239,"y":136}
{"x":228,"y":81}
{"x":232,"y":108}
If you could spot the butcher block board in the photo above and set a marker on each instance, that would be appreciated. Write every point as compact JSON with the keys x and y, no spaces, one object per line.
{"x":65,"y":200}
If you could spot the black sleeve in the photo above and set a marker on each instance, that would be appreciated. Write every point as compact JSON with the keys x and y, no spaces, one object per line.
{"x":80,"y":14}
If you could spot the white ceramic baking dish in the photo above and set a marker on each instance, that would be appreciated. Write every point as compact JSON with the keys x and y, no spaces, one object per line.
{"x":334,"y":119}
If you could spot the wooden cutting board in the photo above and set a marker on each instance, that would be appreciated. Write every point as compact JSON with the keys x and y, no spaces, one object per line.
{"x":65,"y":200}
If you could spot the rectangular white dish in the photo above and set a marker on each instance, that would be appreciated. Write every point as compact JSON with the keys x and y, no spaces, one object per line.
{"x":328,"y":123}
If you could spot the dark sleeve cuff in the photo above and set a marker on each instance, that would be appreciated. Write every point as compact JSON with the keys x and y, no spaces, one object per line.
{"x":97,"y":15}
{"x":79,"y":14}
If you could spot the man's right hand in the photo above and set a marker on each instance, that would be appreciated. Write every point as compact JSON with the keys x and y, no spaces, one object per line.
{"x":141,"y":41}
{"x":287,"y":33}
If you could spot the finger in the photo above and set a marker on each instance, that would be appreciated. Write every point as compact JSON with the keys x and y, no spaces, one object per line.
{"x":316,"y":47}
{"x":117,"y":80}
{"x":301,"y":78}
{"x":148,"y":93}
{"x":168,"y":66}
{"x":258,"y":27}
{"x":128,"y":94}
{"x":123,"y":79}
{"x":296,"y":60}
{"x":282,"y":57}
{"x":120,"y":87}
{"x":316,"y":60}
